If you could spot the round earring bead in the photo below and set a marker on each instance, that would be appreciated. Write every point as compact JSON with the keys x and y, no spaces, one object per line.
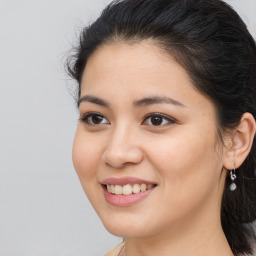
{"x":232,"y":186}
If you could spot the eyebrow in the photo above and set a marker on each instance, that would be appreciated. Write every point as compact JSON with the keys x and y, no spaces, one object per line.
{"x":157,"y":100}
{"x":138,"y":103}
{"x":94,"y":100}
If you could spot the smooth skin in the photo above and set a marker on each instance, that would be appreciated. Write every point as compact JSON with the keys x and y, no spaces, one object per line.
{"x":181,"y":152}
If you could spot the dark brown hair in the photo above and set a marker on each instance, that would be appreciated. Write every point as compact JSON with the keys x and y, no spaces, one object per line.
{"x":209,"y":39}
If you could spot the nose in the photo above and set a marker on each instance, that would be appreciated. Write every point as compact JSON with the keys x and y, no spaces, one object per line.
{"x":122,"y":149}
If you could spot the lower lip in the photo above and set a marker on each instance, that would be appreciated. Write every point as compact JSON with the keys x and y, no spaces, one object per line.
{"x":123,"y":200}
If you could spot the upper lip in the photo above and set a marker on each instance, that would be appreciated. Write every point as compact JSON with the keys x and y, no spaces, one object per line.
{"x":125,"y":180}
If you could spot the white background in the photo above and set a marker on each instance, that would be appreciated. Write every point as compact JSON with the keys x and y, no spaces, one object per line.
{"x":43,"y":210}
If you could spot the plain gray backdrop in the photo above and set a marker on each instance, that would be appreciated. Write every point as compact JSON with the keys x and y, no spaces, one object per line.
{"x":43,"y":209}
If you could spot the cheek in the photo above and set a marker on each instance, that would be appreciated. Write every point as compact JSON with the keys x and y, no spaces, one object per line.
{"x":86,"y":158}
{"x":186,"y":160}
{"x":85,"y":154}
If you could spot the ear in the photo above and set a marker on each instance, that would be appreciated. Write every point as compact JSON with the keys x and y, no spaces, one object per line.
{"x":240,"y":142}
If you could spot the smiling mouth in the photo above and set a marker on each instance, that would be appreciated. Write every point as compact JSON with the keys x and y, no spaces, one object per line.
{"x":128,"y":189}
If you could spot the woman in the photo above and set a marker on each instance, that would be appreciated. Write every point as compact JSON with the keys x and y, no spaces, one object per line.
{"x":165,"y":146}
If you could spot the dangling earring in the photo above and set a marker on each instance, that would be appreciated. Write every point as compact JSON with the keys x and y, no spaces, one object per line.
{"x":232,"y":186}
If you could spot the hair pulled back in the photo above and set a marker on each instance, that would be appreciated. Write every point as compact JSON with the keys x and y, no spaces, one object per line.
{"x":212,"y":43}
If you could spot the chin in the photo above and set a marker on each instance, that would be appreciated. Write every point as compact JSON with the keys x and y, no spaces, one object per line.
{"x":125,"y":231}
{"x":127,"y":226}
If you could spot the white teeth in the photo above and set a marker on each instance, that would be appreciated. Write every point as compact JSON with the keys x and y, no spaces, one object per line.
{"x":143,"y":187}
{"x":128,"y":189}
{"x":136,"y":188}
{"x":118,"y":190}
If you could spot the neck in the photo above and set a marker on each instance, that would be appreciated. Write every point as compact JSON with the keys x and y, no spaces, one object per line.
{"x":198,"y":244}
{"x":194,"y":236}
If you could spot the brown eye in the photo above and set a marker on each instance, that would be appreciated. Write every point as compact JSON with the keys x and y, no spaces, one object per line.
{"x":93,"y":119}
{"x":157,"y":120}
{"x":96,"y":119}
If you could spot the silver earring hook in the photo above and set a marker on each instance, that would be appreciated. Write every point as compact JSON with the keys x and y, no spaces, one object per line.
{"x":232,"y":174}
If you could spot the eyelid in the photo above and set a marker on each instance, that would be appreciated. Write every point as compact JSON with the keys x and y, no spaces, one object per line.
{"x":84,"y":117}
{"x":169,"y":119}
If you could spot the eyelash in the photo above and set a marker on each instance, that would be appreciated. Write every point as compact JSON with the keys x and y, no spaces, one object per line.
{"x":86,"y":117}
{"x":163,"y":117}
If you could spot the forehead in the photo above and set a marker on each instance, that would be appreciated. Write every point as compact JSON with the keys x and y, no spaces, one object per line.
{"x":136,"y":71}
{"x":136,"y":64}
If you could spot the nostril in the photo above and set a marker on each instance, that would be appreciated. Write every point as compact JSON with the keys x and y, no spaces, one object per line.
{"x":119,"y":155}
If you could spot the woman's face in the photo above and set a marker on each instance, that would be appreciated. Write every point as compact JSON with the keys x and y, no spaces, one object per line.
{"x":144,"y":123}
